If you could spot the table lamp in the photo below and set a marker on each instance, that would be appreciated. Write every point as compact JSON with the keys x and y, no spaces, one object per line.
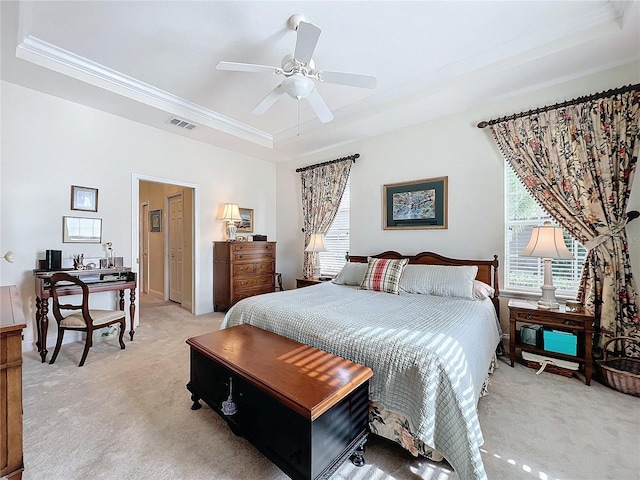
{"x":547,"y":242}
{"x":316,"y":245}
{"x":231,"y":215}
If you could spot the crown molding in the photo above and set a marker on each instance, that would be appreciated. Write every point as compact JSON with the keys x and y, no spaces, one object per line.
{"x":44,"y":54}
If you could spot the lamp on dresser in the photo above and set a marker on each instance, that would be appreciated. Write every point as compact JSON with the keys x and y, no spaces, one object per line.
{"x":315,"y":246}
{"x":547,"y":242}
{"x":231,"y":215}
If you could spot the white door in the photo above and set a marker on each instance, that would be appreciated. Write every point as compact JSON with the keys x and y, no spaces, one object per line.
{"x":143,"y":249}
{"x":175,"y":248}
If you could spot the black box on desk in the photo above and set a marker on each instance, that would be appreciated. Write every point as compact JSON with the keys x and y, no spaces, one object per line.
{"x":53,"y":260}
{"x":531,"y":335}
{"x":259,"y":238}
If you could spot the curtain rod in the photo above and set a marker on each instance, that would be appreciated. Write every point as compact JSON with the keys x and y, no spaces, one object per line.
{"x":310,"y":167}
{"x":575,"y":101}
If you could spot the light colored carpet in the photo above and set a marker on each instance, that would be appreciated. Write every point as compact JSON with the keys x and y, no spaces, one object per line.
{"x":126,"y":414}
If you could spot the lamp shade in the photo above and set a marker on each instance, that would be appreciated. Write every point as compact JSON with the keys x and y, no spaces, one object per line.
{"x":231,"y":213}
{"x":547,"y":242}
{"x":316,"y":243}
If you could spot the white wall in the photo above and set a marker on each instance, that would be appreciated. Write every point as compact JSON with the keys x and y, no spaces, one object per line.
{"x":451,"y":146}
{"x":49,"y":144}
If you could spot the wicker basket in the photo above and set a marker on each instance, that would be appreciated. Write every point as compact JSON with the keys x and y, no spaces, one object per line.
{"x":620,"y":373}
{"x":565,"y":372}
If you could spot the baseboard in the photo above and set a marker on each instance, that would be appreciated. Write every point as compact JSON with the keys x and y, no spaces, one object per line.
{"x":156,"y":294}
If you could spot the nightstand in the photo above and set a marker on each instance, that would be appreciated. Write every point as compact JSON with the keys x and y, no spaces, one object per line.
{"x":581,"y":323}
{"x":307,"y":282}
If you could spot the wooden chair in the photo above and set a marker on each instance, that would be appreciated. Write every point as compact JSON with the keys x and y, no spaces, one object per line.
{"x":85,"y":320}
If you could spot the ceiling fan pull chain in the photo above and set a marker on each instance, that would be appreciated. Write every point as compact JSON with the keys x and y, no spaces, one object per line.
{"x":298,"y":132}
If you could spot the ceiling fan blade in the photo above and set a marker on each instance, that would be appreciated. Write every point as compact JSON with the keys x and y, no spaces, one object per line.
{"x":306,"y":42}
{"x":247,"y":67}
{"x":318,"y":105}
{"x":268,"y":101}
{"x":351,"y":79}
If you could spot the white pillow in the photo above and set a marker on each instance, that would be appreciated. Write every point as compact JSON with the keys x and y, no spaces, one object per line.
{"x":442,"y":280}
{"x":481,"y":290}
{"x":351,"y":274}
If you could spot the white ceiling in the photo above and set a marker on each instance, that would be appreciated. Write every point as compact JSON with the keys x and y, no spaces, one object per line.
{"x":151,"y":60}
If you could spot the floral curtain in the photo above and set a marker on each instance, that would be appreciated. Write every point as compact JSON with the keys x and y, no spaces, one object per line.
{"x":322,"y":189}
{"x":578,"y":161}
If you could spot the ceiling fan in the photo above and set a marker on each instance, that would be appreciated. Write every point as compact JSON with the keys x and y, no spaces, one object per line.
{"x":300,"y":72}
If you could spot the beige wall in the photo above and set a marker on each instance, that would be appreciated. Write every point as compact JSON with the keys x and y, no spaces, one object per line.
{"x":48,"y":144}
{"x":452,"y":146}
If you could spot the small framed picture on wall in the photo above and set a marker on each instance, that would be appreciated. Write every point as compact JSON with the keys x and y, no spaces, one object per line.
{"x":155,"y":220}
{"x":84,"y":198}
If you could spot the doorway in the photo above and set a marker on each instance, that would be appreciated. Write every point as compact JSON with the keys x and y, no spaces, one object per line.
{"x":166,"y":247}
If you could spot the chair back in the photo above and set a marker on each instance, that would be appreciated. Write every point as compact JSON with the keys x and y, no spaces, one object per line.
{"x":60,"y":281}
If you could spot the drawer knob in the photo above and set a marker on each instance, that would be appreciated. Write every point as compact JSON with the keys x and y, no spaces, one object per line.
{"x":529,"y":316}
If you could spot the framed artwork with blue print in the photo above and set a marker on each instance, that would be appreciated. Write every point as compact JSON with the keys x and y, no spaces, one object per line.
{"x":420,"y":204}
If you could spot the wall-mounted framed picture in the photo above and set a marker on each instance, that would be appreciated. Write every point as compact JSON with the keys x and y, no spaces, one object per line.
{"x":155,"y":220}
{"x":421,"y":204}
{"x":246,"y":225}
{"x":84,"y":198}
{"x":81,"y":230}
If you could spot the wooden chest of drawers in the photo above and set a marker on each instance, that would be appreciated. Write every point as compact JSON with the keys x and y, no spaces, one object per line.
{"x":241,"y":270}
{"x":11,"y":325}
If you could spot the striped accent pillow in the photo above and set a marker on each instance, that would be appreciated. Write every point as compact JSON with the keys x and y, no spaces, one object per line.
{"x":383,"y":274}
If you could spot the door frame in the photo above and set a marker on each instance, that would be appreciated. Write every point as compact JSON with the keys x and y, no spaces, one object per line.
{"x":135,"y":230}
{"x":143,"y":276}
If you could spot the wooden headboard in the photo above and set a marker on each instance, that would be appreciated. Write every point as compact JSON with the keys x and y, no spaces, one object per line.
{"x":487,"y":269}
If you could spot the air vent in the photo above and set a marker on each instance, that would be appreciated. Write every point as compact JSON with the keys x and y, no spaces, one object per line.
{"x":181,"y":123}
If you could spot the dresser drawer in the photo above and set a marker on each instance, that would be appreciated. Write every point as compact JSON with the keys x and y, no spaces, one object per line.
{"x":244,"y":269}
{"x":252,"y":247}
{"x":250,"y":292}
{"x":253,"y":282}
{"x":250,"y":256}
{"x":263,"y":268}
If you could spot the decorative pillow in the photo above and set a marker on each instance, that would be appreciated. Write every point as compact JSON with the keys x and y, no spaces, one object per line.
{"x":383,"y":275}
{"x":351,"y":274}
{"x":443,"y":280}
{"x":481,"y":290}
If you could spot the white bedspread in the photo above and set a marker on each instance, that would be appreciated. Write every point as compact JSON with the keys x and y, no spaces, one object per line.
{"x":430,"y":355}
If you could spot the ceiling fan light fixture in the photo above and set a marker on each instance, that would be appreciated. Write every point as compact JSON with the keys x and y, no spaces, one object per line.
{"x":298,"y":86}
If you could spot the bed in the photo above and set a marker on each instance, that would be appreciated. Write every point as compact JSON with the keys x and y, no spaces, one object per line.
{"x":428,"y":327}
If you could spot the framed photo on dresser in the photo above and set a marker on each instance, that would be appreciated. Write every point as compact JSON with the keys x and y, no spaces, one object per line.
{"x":246,"y":225}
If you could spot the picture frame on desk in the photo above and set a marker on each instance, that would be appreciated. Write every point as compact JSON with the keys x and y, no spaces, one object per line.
{"x":84,"y":198}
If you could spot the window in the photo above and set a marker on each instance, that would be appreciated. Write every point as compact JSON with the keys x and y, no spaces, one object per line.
{"x":336,"y":240}
{"x":522,"y":213}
